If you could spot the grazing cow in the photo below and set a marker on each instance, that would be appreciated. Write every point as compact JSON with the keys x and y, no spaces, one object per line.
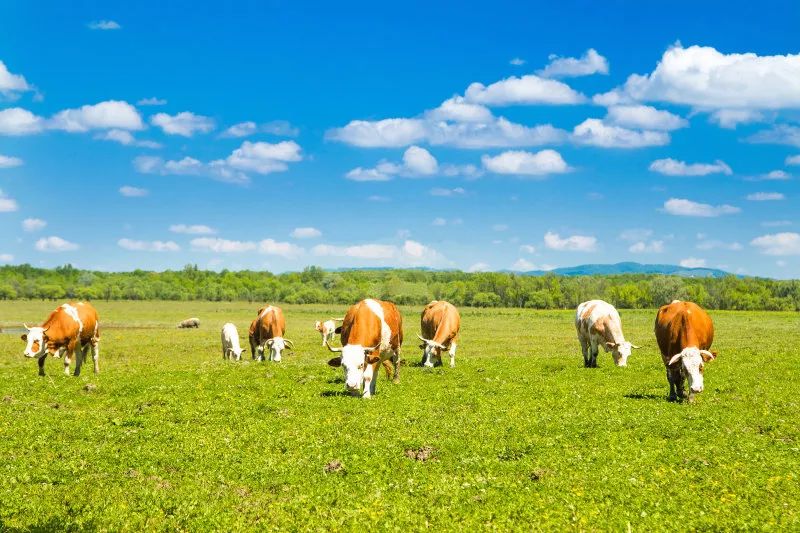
{"x":440,"y":324}
{"x":230,"y":343}
{"x":267,"y":331}
{"x":189,"y":323}
{"x":372,"y":333}
{"x":684,"y":332}
{"x":327,"y":329}
{"x":598,"y":324}
{"x":72,"y":326}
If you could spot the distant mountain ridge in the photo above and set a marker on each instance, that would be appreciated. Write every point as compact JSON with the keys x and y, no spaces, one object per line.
{"x":632,"y":268}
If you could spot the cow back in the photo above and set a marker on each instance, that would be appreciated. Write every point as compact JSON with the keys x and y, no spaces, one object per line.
{"x":440,"y":322}
{"x":363,"y":327}
{"x":62,"y":326}
{"x":680,"y":325}
{"x":270,"y":323}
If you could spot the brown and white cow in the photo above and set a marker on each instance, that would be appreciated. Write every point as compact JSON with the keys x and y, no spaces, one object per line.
{"x":267,"y":331}
{"x":440,"y":325}
{"x":598,"y":324}
{"x":372,"y":333}
{"x":327,"y":329}
{"x":72,"y":326}
{"x":684,"y":332}
{"x":189,"y":323}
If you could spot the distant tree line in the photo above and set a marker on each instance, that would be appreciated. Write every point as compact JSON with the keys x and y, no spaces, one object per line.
{"x":315,"y":285}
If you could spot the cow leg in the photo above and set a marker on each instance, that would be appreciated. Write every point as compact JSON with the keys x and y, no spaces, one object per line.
{"x":452,"y":352}
{"x":675,"y":384}
{"x":594,"y":350}
{"x":96,"y":355}
{"x":67,"y":361}
{"x":79,"y":356}
{"x":587,"y":361}
{"x":42,"y":359}
{"x":396,"y":363}
{"x":428,"y":357}
{"x":369,"y":380}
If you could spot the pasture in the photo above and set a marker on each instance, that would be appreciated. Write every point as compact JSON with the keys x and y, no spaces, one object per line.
{"x":518,"y":436}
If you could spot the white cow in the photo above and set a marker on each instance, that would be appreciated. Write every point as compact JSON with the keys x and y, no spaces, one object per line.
{"x":598,"y":324}
{"x":230,"y":343}
{"x":327,"y":329}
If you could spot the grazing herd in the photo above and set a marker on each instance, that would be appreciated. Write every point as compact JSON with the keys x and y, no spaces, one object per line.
{"x":371,"y":334}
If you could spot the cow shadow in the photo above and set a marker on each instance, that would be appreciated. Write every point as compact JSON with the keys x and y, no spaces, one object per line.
{"x":335,"y":394}
{"x":643,"y":396}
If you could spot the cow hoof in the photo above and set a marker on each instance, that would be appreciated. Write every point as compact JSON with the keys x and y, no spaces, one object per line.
{"x":428,"y":365}
{"x":396,"y":381}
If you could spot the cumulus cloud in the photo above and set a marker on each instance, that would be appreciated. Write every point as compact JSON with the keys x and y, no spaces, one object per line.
{"x":573,"y":243}
{"x":785,"y":243}
{"x":517,"y":62}
{"x":526,"y":163}
{"x":703,"y":78}
{"x":411,"y":253}
{"x":133,"y":192}
{"x":566,"y":67}
{"x":276,"y":127}
{"x":673,"y":167}
{"x":643,"y":247}
{"x":112,"y":114}
{"x":151,"y":101}
{"x":7,"y":205}
{"x":523,"y":265}
{"x":192,"y":229}
{"x":282,"y":249}
{"x":595,"y":132}
{"x":125,"y":138}
{"x":644,"y":117}
{"x":793,"y":160}
{"x":55,"y":244}
{"x":692,"y":262}
{"x":148,"y":246}
{"x":765,"y":196}
{"x":730,"y":118}
{"x":185,"y":124}
{"x":33,"y":224}
{"x":479,"y":267}
{"x":11,"y":84}
{"x":266,"y":246}
{"x":688,"y":208}
{"x":17,"y":121}
{"x":527,"y":248}
{"x":9,"y":162}
{"x":259,"y":157}
{"x":778,"y":134}
{"x":525,"y":90}
{"x":417,"y":162}
{"x":306,"y":233}
{"x":104,"y":25}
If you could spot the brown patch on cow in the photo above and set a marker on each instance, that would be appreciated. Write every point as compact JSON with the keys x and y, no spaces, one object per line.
{"x":334,"y":466}
{"x":422,"y":454}
{"x":588,"y":312}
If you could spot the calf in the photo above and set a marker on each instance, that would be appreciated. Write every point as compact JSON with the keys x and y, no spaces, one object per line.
{"x":598,"y":324}
{"x":230,"y":343}
{"x":327,"y":329}
{"x":72,"y":326}
{"x":267,"y":331}
{"x":684,"y":332}
{"x":372,"y":333}
{"x":189,"y":323}
{"x":440,"y":325}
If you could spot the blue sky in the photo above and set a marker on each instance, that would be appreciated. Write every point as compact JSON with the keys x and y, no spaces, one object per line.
{"x":474,"y":136}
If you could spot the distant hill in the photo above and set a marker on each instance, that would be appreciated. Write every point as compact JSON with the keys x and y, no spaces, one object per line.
{"x":633,"y":268}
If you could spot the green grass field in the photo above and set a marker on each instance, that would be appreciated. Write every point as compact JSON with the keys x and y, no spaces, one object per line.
{"x":518,"y":436}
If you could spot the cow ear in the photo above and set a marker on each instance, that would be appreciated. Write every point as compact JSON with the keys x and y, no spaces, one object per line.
{"x":372,"y":359}
{"x":708,"y":356}
{"x":335,"y":362}
{"x":338,"y":330}
{"x":24,"y":337}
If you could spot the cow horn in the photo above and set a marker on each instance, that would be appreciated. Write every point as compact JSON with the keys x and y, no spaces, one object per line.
{"x":26,"y":326}
{"x":634,"y":346}
{"x":331,"y":348}
{"x":430,"y":342}
{"x":290,"y":343}
{"x":270,"y":342}
{"x":709,"y":354}
{"x":675,"y":359}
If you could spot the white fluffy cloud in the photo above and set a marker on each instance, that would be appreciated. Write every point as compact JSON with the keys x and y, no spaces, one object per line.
{"x":417,"y":162}
{"x":33,"y":224}
{"x":702,"y":77}
{"x":411,"y":253}
{"x":125,"y":138}
{"x":360,"y":251}
{"x":517,"y":62}
{"x":9,"y":162}
{"x":192,"y":229}
{"x":765,"y":196}
{"x":7,"y":205}
{"x":247,"y":128}
{"x":55,"y":244}
{"x":643,"y":247}
{"x":266,"y":246}
{"x":573,"y":243}
{"x":185,"y":124}
{"x":595,"y":132}
{"x":778,"y":134}
{"x":458,"y":109}
{"x":18,"y":121}
{"x":526,"y":163}
{"x":692,"y":262}
{"x":644,"y":117}
{"x":785,"y":243}
{"x":479,"y":267}
{"x":730,"y":118}
{"x":282,"y":249}
{"x":112,"y":114}
{"x":242,"y":129}
{"x":566,"y":67}
{"x":527,"y":248}
{"x":306,"y":233}
{"x":104,"y":25}
{"x":673,"y":167}
{"x":688,"y":208}
{"x":525,"y":90}
{"x":10,"y":84}
{"x":133,"y":192}
{"x":793,"y":160}
{"x":148,"y":246}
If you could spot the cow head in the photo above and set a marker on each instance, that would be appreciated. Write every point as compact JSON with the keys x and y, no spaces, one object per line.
{"x":620,"y":352}
{"x":432,"y":352}
{"x":36,"y":340}
{"x":276,"y":346}
{"x":318,"y":326}
{"x":237,"y":355}
{"x":693,"y":361}
{"x":353,"y":360}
